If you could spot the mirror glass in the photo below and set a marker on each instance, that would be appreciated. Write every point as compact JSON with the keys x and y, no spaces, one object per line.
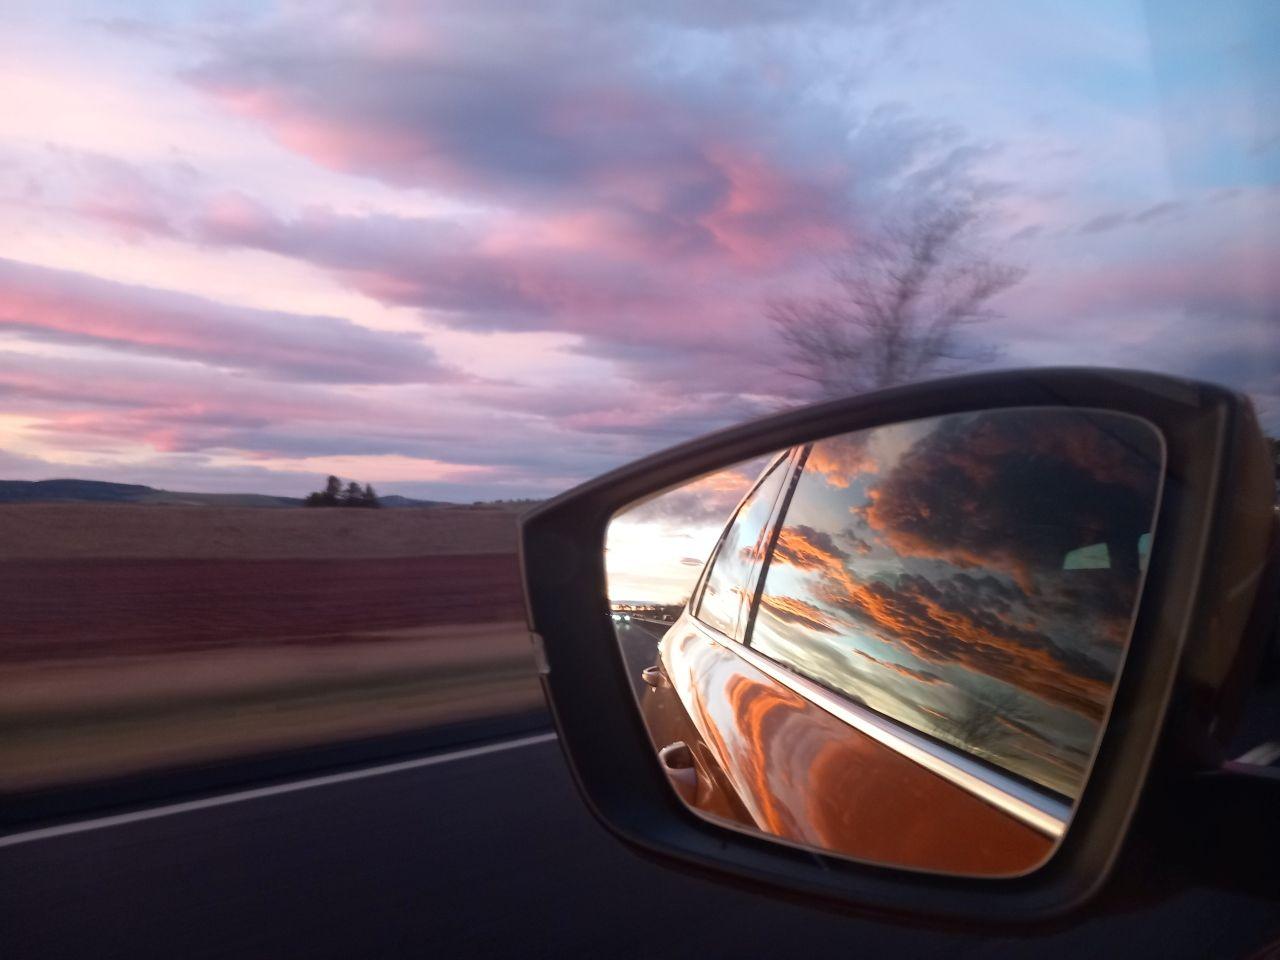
{"x":898,"y":645}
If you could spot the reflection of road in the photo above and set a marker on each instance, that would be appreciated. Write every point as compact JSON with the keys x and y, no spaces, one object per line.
{"x":639,"y":642}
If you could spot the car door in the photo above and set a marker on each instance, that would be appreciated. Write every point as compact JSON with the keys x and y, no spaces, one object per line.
{"x":695,"y":647}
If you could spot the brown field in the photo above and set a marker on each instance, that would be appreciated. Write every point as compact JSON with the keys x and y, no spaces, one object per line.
{"x":59,"y":610}
{"x":65,"y":531}
{"x":143,"y":636}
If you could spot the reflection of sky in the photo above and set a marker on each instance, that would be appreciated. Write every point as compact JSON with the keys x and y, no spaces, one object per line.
{"x":825,"y":507}
{"x":656,"y":561}
{"x":950,"y":643}
{"x":656,"y":550}
{"x":1019,"y":679}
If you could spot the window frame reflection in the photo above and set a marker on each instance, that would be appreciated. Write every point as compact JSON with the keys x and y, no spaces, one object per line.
{"x":783,"y":465}
{"x":1015,"y":782}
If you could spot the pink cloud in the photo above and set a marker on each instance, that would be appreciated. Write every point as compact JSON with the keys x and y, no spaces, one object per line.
{"x":231,"y":217}
{"x":110,"y":405}
{"x":661,"y":171}
{"x":60,"y":305}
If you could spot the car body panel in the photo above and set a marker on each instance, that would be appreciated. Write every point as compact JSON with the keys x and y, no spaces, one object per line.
{"x":799,"y":773}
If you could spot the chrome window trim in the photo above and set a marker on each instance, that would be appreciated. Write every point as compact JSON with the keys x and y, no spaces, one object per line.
{"x":1046,"y":814}
{"x":694,"y":606}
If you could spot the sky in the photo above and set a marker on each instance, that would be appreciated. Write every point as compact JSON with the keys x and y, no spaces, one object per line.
{"x":487,"y":250}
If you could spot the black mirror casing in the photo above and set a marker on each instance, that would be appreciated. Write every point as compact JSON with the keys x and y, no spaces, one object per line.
{"x":1189,"y":647}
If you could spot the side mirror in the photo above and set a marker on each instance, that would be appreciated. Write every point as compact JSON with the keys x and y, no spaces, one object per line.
{"x":918,"y":652}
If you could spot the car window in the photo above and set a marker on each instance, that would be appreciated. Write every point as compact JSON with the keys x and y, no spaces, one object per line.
{"x":1002,"y":631}
{"x":729,"y":577}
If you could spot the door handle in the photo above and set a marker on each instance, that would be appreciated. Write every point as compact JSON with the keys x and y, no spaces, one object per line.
{"x":654,"y":677}
{"x":677,"y":760}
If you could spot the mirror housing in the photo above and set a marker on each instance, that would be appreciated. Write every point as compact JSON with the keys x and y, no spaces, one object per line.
{"x":1192,"y":650}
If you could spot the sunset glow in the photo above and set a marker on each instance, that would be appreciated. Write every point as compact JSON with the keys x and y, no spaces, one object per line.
{"x":477,"y":251}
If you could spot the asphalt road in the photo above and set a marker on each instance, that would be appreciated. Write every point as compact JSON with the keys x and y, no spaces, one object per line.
{"x":638,"y":640}
{"x":484,"y":854}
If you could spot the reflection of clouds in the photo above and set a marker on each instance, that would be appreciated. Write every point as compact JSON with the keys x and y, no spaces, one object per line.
{"x":856,"y":543}
{"x":840,"y":665}
{"x":922,"y":698}
{"x":1097,"y":603}
{"x":790,"y":642}
{"x":656,"y":549}
{"x":941,"y":622}
{"x":805,"y":548}
{"x":778,"y":778}
{"x":969,"y":522}
{"x":796,"y":611}
{"x":968,"y":618}
{"x":1023,"y":488}
{"x":840,"y":459}
{"x":1065,"y":758}
{"x":709,"y":499}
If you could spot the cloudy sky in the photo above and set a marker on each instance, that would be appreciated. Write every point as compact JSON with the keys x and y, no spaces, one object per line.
{"x":478,"y":249}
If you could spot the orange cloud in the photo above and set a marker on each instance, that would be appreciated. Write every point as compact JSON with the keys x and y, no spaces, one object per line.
{"x":808,"y":549}
{"x":948,"y":622}
{"x":839,"y":459}
{"x":796,"y":611}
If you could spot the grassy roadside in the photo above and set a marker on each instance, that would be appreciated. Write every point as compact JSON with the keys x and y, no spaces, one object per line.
{"x":115,"y":717}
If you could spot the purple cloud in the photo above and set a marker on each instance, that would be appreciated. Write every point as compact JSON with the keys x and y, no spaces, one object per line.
{"x":66,"y":307}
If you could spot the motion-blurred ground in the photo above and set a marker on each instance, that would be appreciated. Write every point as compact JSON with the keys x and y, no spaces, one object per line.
{"x":137,"y":637}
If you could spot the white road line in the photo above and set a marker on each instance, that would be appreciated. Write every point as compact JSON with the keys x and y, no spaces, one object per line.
{"x":241,"y":796}
{"x":1263,"y":755}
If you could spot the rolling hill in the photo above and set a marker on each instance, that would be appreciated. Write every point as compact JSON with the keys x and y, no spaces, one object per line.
{"x":98,"y":491}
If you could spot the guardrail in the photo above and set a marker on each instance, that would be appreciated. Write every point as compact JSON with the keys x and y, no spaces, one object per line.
{"x":660,"y":623}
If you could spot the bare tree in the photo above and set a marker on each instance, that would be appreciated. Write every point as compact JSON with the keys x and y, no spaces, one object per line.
{"x":899,"y":308}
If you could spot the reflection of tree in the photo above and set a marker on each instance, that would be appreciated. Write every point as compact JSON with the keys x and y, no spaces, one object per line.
{"x":984,"y":724}
{"x":899,"y":307}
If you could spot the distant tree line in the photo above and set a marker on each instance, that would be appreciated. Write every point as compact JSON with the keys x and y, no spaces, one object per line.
{"x":335,"y":494}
